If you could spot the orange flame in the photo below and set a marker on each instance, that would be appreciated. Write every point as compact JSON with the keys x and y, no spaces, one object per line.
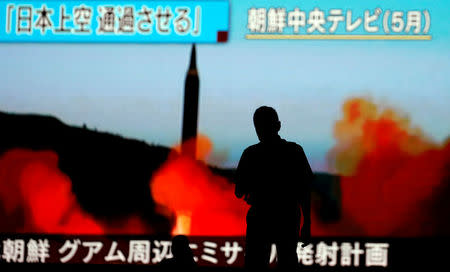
{"x":391,"y":170}
{"x":32,"y":188}
{"x":35,"y":196}
{"x":203,"y":203}
{"x":183,"y":224}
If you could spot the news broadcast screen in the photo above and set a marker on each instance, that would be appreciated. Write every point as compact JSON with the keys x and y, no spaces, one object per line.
{"x":122,"y":124}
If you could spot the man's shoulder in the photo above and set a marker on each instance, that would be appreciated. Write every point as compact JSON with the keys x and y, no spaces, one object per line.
{"x":290,"y":145}
{"x":293,"y":145}
{"x":252,"y":149}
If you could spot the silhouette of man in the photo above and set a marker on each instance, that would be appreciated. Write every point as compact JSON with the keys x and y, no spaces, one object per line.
{"x":274,"y":178}
{"x":183,"y":259}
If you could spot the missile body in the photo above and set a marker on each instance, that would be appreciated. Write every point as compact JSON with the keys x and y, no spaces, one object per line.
{"x":190,"y":110}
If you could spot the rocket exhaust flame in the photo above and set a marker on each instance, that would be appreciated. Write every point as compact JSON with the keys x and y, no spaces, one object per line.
{"x":36,"y":197}
{"x":392,"y":173}
{"x":183,"y":224}
{"x":203,"y":203}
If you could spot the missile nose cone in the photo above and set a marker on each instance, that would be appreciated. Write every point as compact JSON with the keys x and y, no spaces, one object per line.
{"x":193,"y":61}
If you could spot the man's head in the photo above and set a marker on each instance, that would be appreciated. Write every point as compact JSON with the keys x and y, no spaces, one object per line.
{"x":180,"y":247}
{"x":266,"y":123}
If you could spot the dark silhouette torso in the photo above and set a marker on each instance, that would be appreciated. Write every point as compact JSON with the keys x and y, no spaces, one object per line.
{"x":273,"y":176}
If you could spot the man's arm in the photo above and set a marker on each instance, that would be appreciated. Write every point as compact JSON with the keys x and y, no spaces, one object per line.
{"x":240,"y":177}
{"x":305,"y":199}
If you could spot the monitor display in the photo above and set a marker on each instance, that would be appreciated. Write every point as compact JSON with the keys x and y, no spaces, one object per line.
{"x":123,"y":123}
